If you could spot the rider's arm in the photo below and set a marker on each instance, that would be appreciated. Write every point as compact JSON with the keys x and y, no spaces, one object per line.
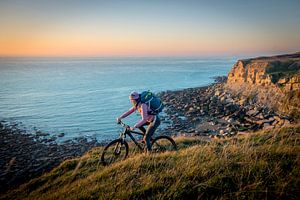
{"x":125,"y":114}
{"x":144,"y":114}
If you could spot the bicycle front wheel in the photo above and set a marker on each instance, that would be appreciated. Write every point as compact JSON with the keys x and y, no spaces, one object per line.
{"x":163,"y":143}
{"x":115,"y":151}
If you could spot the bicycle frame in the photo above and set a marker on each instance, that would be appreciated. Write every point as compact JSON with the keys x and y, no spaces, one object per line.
{"x":128,"y":132}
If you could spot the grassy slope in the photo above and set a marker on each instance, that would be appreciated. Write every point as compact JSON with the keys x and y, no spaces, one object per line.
{"x":260,"y":165}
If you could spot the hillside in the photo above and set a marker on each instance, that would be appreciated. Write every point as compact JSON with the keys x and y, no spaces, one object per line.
{"x":261,"y":165}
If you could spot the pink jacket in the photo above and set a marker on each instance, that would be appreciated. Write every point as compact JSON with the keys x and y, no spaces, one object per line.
{"x":143,"y":109}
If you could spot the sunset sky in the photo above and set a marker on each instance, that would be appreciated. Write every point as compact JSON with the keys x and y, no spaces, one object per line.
{"x":148,"y":28}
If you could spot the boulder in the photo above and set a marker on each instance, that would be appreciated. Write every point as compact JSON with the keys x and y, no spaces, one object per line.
{"x":267,"y":125}
{"x":252,"y":113}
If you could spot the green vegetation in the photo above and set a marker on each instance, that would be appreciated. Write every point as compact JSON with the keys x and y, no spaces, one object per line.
{"x":291,"y":104}
{"x":261,"y":165}
{"x":282,"y":69}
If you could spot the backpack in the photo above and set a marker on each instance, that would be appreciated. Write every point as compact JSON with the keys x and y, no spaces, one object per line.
{"x":154,"y":103}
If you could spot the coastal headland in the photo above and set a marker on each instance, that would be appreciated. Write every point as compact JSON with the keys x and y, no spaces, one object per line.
{"x":259,"y":94}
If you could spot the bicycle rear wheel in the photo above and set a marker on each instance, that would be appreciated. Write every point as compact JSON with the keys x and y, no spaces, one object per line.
{"x":115,"y":151}
{"x":163,"y":143}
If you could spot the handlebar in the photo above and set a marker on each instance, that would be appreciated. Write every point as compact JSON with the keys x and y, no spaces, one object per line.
{"x":124,"y":125}
{"x":127,"y":127}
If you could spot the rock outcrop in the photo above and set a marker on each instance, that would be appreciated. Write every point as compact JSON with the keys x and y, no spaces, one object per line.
{"x":270,"y":81}
{"x":280,"y":71}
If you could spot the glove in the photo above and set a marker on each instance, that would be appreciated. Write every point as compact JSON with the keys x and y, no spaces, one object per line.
{"x":118,"y":120}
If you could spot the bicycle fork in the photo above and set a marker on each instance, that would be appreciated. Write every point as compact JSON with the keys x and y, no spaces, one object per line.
{"x":118,"y":147}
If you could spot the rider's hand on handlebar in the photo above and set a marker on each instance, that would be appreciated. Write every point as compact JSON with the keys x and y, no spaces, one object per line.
{"x":131,"y":128}
{"x":126,"y":126}
{"x":118,"y":120}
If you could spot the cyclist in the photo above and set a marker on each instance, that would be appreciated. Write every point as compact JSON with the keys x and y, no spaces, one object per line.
{"x":149,"y":119}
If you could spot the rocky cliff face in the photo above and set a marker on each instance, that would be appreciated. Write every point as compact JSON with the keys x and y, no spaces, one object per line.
{"x":279,"y":71}
{"x":270,"y":81}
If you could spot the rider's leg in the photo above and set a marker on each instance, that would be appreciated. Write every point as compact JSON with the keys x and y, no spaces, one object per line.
{"x":142,"y":129}
{"x":150,"y":131}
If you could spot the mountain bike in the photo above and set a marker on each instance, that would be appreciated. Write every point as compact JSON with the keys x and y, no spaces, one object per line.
{"x":118,"y":149}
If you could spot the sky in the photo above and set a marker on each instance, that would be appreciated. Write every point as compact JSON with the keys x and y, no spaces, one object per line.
{"x":148,"y":28}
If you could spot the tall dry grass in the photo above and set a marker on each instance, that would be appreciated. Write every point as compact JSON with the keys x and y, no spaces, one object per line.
{"x":262,"y":165}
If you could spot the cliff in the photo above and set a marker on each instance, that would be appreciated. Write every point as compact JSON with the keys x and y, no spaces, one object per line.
{"x":270,"y":81}
{"x":282,"y":71}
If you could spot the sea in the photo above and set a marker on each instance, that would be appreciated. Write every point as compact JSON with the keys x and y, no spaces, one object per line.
{"x":82,"y":97}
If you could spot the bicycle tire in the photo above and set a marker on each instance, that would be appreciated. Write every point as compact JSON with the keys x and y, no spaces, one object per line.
{"x":109,"y":157}
{"x":163,"y":143}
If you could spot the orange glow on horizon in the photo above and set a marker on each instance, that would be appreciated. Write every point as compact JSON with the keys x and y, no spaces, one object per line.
{"x":59,"y":46}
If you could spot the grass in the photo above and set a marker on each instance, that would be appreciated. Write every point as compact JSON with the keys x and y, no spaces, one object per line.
{"x":261,"y":165}
{"x":291,"y":104}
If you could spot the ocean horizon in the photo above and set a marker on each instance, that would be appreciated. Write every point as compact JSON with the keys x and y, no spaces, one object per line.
{"x":82,"y":96}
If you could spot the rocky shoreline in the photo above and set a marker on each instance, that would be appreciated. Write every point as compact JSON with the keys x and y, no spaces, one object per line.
{"x":203,"y":111}
{"x":24,"y":156}
{"x":214,"y":111}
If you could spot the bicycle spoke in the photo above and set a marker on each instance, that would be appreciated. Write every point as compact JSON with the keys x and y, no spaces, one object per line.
{"x":159,"y":147}
{"x":113,"y":152}
{"x":162,"y":144}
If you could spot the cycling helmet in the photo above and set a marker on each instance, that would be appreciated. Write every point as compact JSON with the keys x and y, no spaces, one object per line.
{"x":134,"y":96}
